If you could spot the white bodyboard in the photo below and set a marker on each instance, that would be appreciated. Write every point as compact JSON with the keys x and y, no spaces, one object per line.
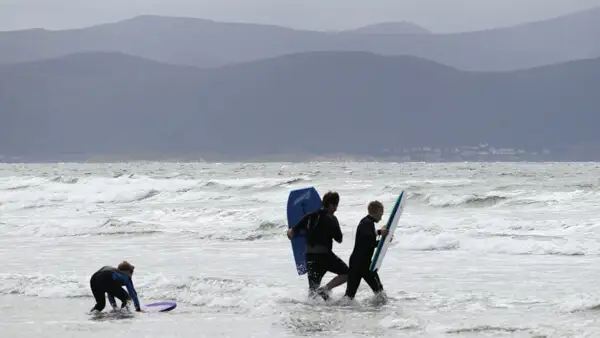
{"x":391,"y":226}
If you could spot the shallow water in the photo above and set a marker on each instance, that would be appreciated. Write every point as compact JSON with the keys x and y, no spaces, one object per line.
{"x":481,"y":249}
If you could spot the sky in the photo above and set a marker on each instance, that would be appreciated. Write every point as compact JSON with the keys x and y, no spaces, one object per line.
{"x":436,"y":15}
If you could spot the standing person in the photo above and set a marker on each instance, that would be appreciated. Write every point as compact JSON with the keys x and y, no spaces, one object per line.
{"x":322,"y":227}
{"x":109,"y":280}
{"x":364,"y":246}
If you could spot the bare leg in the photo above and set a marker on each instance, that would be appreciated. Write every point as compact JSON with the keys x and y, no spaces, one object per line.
{"x":336,"y":281}
{"x":337,"y":266}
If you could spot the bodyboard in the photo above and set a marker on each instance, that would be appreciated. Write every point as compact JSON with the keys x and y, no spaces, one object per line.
{"x":391,"y":225}
{"x":300,"y":202}
{"x":159,"y":307}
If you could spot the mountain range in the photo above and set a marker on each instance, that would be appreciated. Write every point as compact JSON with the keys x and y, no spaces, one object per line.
{"x":164,"y":85}
{"x":357,"y":102}
{"x":207,"y":44}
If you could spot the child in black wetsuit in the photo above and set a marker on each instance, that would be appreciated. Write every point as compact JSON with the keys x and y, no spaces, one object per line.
{"x":364,"y":246}
{"x":109,"y":280}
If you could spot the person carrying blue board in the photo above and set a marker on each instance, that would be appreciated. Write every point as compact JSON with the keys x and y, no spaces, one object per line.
{"x":364,"y":246}
{"x":322,"y":227}
{"x":109,"y":280}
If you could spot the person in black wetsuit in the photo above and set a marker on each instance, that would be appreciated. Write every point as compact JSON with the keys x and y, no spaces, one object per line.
{"x":109,"y":280}
{"x":322,"y":227}
{"x":364,"y":246}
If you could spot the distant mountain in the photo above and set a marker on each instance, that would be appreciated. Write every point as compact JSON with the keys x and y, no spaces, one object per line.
{"x":319,"y":102}
{"x":206,"y":44}
{"x":391,"y":28}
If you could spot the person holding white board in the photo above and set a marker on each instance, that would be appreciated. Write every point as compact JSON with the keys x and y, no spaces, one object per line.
{"x":364,"y":246}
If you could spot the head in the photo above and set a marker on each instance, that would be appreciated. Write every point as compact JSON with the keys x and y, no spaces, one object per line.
{"x":126,"y":267}
{"x":331,"y":201}
{"x":376,"y":210}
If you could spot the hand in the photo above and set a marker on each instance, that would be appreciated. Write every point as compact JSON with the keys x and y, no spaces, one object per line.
{"x":383,"y":231}
{"x":290,"y":233}
{"x":139,"y":310}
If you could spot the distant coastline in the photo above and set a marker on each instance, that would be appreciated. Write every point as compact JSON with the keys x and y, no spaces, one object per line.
{"x":476,"y":154}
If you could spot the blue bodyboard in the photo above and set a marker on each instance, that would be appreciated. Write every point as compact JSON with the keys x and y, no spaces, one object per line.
{"x":300,"y":202}
{"x":159,"y":307}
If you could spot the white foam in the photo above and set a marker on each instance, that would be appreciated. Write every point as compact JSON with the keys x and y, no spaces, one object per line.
{"x":475,"y":242}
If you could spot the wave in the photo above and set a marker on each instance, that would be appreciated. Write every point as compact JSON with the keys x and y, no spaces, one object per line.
{"x":13,"y":183}
{"x":19,"y":187}
{"x":151,"y":183}
{"x":212,"y":293}
{"x":520,"y":236}
{"x":413,"y":238}
{"x":31,"y":193}
{"x":117,"y":233}
{"x":496,"y":198}
{"x":423,"y":242}
{"x":114,"y":226}
{"x":132,"y":197}
{"x":60,"y":191}
{"x":65,"y":179}
{"x":487,"y":329}
{"x":579,"y":303}
{"x":529,"y":246}
{"x":43,"y":286}
{"x":453,"y":201}
{"x":474,"y":201}
{"x":252,"y":183}
{"x":265,"y":231}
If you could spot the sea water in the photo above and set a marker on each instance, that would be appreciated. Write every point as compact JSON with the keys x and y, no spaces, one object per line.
{"x":481,"y":250}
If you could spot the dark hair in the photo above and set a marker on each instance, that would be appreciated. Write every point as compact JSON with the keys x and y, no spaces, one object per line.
{"x":330,"y":198}
{"x":375,"y":206}
{"x":126,"y":266}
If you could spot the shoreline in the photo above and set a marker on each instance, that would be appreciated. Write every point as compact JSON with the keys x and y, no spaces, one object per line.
{"x":274,"y":161}
{"x":296,"y":160}
{"x":277,"y":161}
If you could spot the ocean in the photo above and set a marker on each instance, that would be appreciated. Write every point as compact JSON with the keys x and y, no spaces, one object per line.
{"x":482,"y":249}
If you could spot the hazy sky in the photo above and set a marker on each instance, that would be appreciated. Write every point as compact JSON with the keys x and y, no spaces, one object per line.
{"x":436,"y":15}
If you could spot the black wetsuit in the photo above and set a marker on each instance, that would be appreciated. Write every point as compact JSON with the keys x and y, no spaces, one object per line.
{"x":321,"y":229}
{"x":109,"y":280}
{"x":360,"y":259}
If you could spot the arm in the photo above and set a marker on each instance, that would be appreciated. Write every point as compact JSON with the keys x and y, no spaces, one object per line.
{"x":380,"y":234}
{"x":133,"y":294}
{"x":301,"y":225}
{"x":337,"y":231}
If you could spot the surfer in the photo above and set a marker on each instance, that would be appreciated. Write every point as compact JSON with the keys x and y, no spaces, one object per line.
{"x":109,"y":280}
{"x":364,"y":246}
{"x":322,"y":227}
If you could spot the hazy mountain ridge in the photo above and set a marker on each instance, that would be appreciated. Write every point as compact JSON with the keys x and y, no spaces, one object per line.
{"x":206,"y":43}
{"x":320,"y":102}
{"x":394,"y":27}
